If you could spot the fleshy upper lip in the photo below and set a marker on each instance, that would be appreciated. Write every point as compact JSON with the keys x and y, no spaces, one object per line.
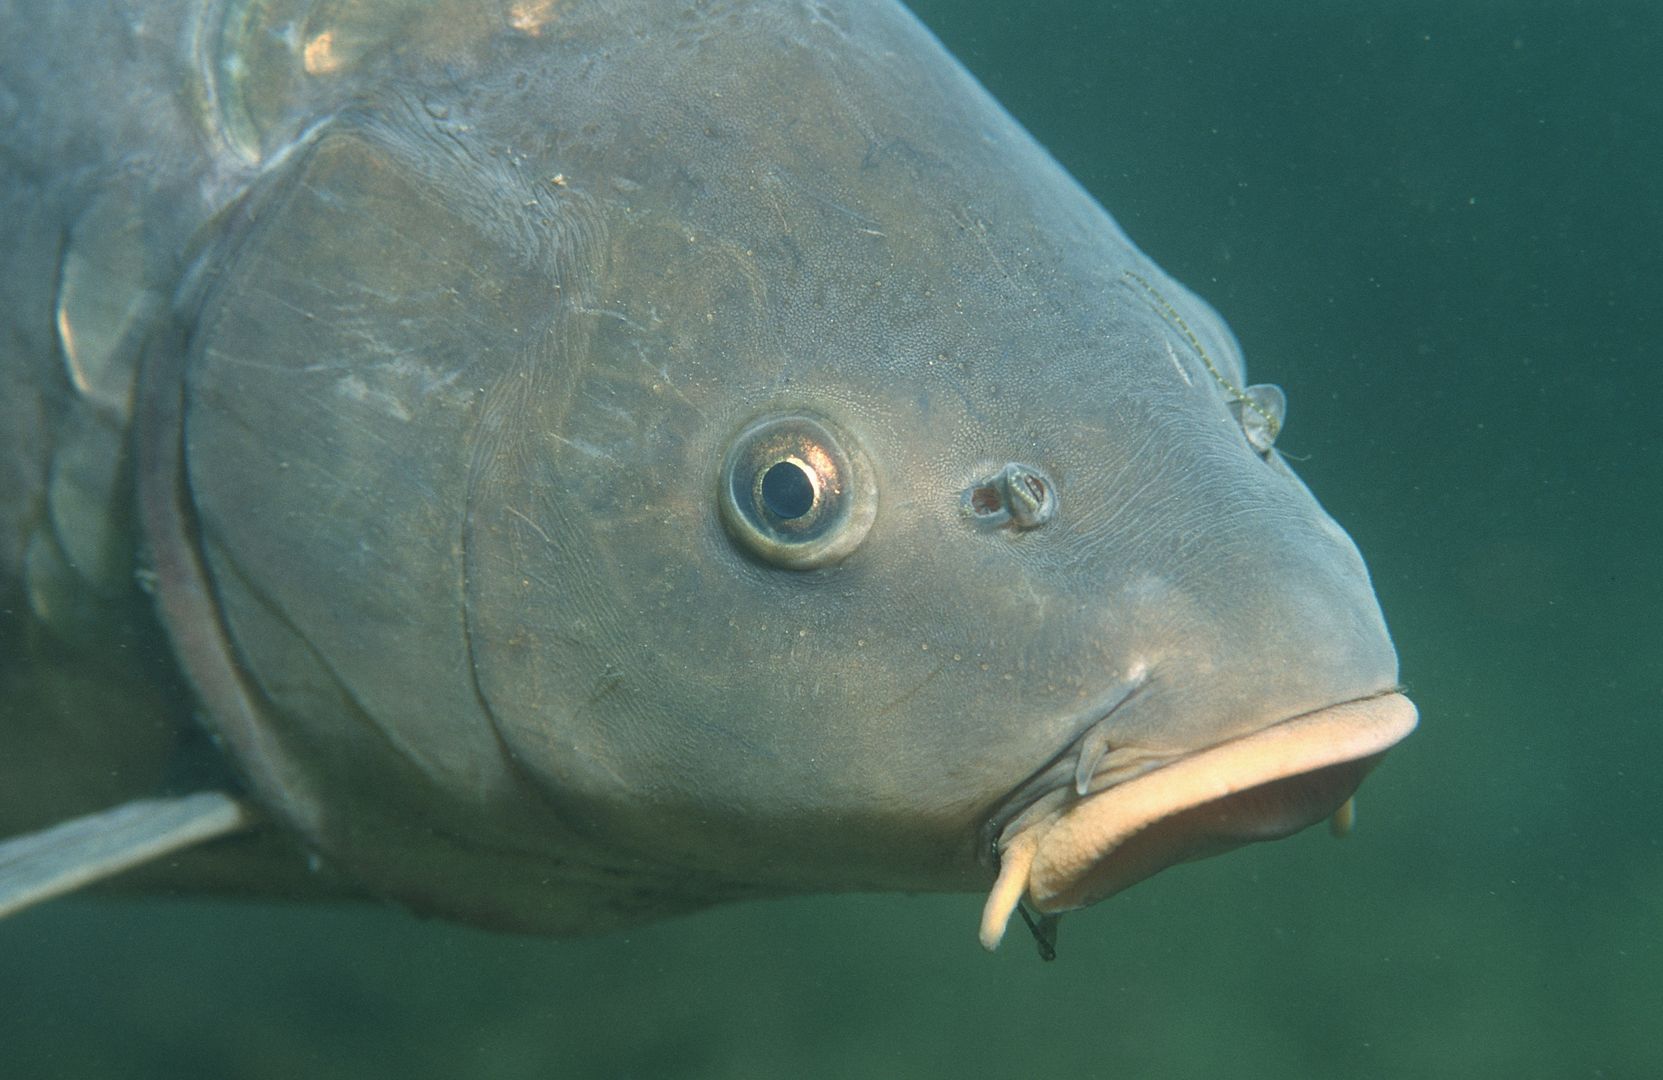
{"x":1053,"y":851}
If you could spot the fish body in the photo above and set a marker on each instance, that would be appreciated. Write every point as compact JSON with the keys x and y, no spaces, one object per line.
{"x":582,"y":461}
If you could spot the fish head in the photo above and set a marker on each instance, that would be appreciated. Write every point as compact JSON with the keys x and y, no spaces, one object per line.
{"x":746,"y":463}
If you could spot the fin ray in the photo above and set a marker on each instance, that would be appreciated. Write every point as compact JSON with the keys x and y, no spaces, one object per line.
{"x":39,"y":866}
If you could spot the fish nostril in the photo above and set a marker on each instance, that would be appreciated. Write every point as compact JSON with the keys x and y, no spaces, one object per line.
{"x":1018,"y":495}
{"x":1031,"y":499}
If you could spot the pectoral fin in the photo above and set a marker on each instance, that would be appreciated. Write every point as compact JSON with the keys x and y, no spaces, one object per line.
{"x":41,"y":865}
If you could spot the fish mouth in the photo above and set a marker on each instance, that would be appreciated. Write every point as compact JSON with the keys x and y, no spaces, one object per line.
{"x":1067,"y":850}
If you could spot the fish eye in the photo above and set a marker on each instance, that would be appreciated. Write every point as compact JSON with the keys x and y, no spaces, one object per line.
{"x":797,"y":491}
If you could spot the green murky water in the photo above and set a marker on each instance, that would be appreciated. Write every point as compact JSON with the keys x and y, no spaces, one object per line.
{"x":1440,"y":227}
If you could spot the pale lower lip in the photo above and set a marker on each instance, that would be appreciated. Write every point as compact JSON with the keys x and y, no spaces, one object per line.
{"x":1049,"y":861}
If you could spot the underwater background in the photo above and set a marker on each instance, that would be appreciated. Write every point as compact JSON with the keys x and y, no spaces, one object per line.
{"x":1439,"y":226}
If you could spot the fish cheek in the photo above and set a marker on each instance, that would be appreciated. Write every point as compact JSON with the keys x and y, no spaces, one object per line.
{"x":591,"y":536}
{"x":667,"y":685}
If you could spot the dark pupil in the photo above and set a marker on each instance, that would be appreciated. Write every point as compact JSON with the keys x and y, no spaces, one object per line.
{"x":786,"y":491}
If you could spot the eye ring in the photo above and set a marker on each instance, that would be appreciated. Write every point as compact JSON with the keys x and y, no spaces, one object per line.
{"x":797,"y":491}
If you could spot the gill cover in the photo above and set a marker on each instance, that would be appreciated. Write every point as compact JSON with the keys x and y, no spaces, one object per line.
{"x":334,"y":418}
